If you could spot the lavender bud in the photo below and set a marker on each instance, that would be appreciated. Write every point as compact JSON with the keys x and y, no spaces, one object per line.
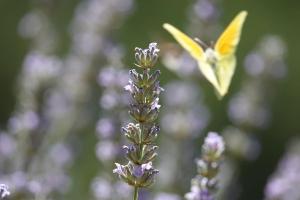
{"x":154,"y":77}
{"x":134,"y":76}
{"x":150,"y":134}
{"x":132,"y":132}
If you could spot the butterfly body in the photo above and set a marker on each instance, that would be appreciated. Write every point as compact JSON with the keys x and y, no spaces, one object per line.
{"x":216,"y":63}
{"x":210,"y":56}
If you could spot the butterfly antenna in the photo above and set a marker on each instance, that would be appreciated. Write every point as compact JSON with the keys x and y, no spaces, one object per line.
{"x":201,"y":43}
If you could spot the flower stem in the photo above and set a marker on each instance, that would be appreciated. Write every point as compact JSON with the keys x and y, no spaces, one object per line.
{"x":136,"y":193}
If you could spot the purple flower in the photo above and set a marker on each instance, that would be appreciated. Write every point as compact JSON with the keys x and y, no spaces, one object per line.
{"x":139,"y":170}
{"x":155,"y":104}
{"x":119,"y":169}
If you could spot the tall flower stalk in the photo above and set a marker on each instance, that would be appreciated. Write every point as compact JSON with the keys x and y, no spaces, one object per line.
{"x":204,"y":185}
{"x":144,"y":90}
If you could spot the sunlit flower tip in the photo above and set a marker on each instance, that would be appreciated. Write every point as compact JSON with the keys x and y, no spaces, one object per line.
{"x":129,"y":87}
{"x":146,"y":58}
{"x":213,"y":145}
{"x":153,"y":48}
{"x":119,"y":169}
{"x":147,"y":166}
{"x":4,"y":191}
{"x":155,"y":104}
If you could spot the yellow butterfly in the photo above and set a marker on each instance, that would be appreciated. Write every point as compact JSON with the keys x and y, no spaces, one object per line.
{"x":216,"y":63}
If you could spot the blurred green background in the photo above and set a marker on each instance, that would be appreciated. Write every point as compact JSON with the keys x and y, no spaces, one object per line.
{"x":144,"y":25}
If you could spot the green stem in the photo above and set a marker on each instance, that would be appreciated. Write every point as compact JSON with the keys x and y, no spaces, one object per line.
{"x":136,"y":193}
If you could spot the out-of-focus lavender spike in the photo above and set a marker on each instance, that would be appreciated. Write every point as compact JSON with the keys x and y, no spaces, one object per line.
{"x":181,"y":64}
{"x":205,"y":184}
{"x":40,"y":69}
{"x":240,"y":144}
{"x":61,"y":154}
{"x":7,"y":147}
{"x":285,"y":181}
{"x":268,"y":59}
{"x":106,"y":128}
{"x":102,"y":188}
{"x":91,"y":39}
{"x":112,"y":76}
{"x":111,"y":79}
{"x":205,"y":10}
{"x":26,"y":121}
{"x":188,"y":115}
{"x":249,"y":109}
{"x":106,"y":150}
{"x":63,"y":86}
{"x":265,"y":64}
{"x":37,"y":27}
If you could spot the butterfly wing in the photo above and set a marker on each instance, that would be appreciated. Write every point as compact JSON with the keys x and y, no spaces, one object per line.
{"x":225,"y":48}
{"x":195,"y":51}
{"x":209,"y":73}
{"x":185,"y":41}
{"x":228,"y":41}
{"x":224,"y":70}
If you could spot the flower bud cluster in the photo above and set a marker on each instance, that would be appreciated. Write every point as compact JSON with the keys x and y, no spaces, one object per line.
{"x":144,"y":90}
{"x":146,"y":58}
{"x":204,"y":185}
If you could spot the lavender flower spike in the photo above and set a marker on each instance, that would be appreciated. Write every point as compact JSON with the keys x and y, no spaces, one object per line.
{"x":204,"y":185}
{"x":144,"y":90}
